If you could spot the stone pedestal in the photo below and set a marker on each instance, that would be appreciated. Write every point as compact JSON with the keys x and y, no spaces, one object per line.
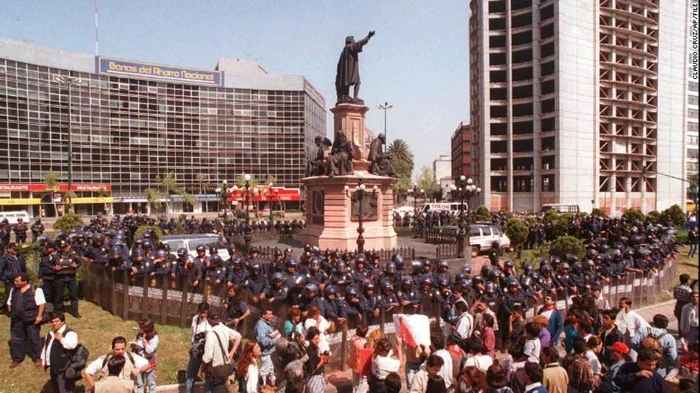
{"x":350,"y":119}
{"x":332,"y":214}
{"x":330,"y":222}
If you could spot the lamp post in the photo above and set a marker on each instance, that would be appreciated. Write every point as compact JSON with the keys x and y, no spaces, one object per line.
{"x":361,"y":192}
{"x":69,"y":81}
{"x":223,"y":194}
{"x":464,"y":189}
{"x":416,"y":193}
{"x":271,"y":196}
{"x":248,"y":194}
{"x":385,"y":107}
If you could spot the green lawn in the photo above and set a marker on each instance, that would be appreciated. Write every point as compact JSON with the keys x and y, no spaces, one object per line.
{"x":96,"y":329}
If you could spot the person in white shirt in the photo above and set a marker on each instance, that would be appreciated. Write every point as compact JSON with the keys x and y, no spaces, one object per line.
{"x":465,"y":323}
{"x":198,"y":332}
{"x":690,"y":322}
{"x":54,"y":356}
{"x":437,"y":347}
{"x":631,"y":324}
{"x":134,"y":365}
{"x":532,"y":345}
{"x":26,"y":307}
{"x":593,"y":347}
{"x":601,"y":302}
{"x":219,"y":336}
{"x":383,"y":363}
{"x":478,"y":355}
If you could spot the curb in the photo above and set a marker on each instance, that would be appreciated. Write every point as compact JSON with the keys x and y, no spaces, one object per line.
{"x":662,"y":304}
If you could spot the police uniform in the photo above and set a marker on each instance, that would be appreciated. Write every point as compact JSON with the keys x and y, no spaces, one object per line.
{"x":65,"y":277}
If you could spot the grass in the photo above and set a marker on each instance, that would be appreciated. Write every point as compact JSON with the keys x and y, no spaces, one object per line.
{"x":95,"y":329}
{"x":686,"y":265}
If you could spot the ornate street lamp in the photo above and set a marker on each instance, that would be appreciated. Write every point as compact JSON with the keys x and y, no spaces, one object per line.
{"x":361,"y":192}
{"x":271,"y":195}
{"x":223,"y":192}
{"x":416,"y":193}
{"x":464,"y":189}
{"x":248,"y":195}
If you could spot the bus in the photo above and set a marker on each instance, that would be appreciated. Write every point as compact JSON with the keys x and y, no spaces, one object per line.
{"x":560,"y":208}
{"x":449,"y":207}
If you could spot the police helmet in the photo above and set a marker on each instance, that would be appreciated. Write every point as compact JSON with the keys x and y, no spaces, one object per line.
{"x":201,"y":248}
{"x":426,"y":281}
{"x":182,"y":252}
{"x":467,"y":270}
{"x":291,"y":262}
{"x":115,"y":251}
{"x":443,"y":263}
{"x":546,"y":269}
{"x":350,"y":291}
{"x":277,"y":276}
{"x":407,"y":281}
{"x":360,"y":259}
{"x":578,"y":266}
{"x":565,"y":266}
{"x":160,"y":253}
{"x":311,"y":287}
{"x":527,"y":268}
{"x":216,"y":260}
{"x":442,"y":282}
{"x":341,"y":267}
{"x":386,"y":284}
{"x":526,"y":281}
{"x":237,"y":261}
{"x":390,"y":268}
{"x":509,"y":264}
{"x":369,"y":286}
{"x":477,"y":280}
{"x":137,"y":253}
{"x":331,"y":290}
{"x":512,"y":282}
{"x":490,"y":288}
{"x":277,"y":252}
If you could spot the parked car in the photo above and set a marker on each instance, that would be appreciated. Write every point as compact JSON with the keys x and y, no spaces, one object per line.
{"x":12,"y":216}
{"x":190,"y":242}
{"x":482,"y":236}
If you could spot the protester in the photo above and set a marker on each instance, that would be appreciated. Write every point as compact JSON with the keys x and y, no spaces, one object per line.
{"x":357,"y":343}
{"x":59,"y":344}
{"x":248,"y":372}
{"x":26,"y":306}
{"x":264,"y":335}
{"x":146,"y":345}
{"x":112,"y":383}
{"x":133,"y":366}
{"x":314,"y":367}
{"x":217,"y":353}
{"x":554,"y":376}
{"x":641,"y":376}
{"x":198,"y":332}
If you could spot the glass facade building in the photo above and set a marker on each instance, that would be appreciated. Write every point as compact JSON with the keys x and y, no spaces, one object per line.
{"x":129,"y":130}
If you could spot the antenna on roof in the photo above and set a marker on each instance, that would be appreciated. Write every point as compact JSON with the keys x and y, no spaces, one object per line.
{"x":97,"y":40}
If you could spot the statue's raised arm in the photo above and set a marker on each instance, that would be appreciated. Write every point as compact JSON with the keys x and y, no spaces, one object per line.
{"x":348,"y":71}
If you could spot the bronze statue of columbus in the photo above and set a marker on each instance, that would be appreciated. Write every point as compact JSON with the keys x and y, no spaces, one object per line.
{"x":348,"y":73}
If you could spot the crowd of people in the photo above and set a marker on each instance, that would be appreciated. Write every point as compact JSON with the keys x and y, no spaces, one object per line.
{"x":483,"y":339}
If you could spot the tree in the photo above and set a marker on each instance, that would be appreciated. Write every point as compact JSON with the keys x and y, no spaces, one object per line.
{"x":426,"y":181}
{"x":202,"y":182}
{"x":633,"y":215}
{"x":402,"y":163}
{"x":567,"y":245}
{"x":270,"y":179}
{"x":68,"y":222}
{"x":153,"y":199}
{"x":598,"y":213}
{"x":654,"y":217}
{"x":482,"y":213}
{"x":673,"y":214}
{"x":169,"y":184}
{"x":516,"y":231}
{"x":51,"y":183}
{"x":102,"y":193}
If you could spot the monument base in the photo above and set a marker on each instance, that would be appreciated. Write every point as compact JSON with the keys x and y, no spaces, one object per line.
{"x":331,"y":221}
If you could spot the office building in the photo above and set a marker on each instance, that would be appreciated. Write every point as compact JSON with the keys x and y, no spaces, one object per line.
{"x":461,"y":151}
{"x":129,"y":123}
{"x":578,"y":103}
{"x":691,"y":127}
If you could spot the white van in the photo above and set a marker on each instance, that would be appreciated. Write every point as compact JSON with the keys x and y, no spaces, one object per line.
{"x":13,"y":216}
{"x":560,"y":208}
{"x":449,"y":207}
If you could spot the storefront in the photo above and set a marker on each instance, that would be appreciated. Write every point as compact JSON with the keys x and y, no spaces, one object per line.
{"x":39,"y":201}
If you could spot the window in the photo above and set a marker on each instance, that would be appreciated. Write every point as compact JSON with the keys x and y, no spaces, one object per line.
{"x":693,"y":86}
{"x":693,"y":153}
{"x":692,"y":126}
{"x":693,"y":113}
{"x":692,"y":100}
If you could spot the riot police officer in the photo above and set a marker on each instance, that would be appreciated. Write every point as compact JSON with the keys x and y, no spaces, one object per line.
{"x":408,"y":296}
{"x":256,"y":284}
{"x":67,"y":264}
{"x":20,"y":230}
{"x":37,"y":229}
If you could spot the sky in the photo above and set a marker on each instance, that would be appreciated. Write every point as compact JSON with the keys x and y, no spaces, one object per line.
{"x":418,"y":61}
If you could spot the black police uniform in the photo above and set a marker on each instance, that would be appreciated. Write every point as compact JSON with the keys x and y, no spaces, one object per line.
{"x":10,"y":266}
{"x":20,"y":230}
{"x":24,"y":311}
{"x":65,"y":277}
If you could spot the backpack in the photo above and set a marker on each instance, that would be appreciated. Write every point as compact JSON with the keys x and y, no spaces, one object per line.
{"x":658,"y":338}
{"x":584,"y":379}
{"x":104,"y":371}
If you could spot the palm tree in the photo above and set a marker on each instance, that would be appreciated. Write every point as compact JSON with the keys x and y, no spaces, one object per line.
{"x":202,"y":180}
{"x":402,"y":162}
{"x":51,"y":183}
{"x":153,"y":199}
{"x":169,"y":184}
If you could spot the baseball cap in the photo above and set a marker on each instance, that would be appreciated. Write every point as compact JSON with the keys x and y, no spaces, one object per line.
{"x":621,"y":348}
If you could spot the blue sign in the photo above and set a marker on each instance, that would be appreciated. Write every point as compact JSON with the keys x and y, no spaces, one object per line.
{"x":105,"y":65}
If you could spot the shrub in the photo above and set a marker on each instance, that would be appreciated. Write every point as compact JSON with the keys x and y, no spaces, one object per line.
{"x":633,"y":215}
{"x":566,"y":245}
{"x":482,"y":214}
{"x":156,"y":234}
{"x":550,"y":216}
{"x":674,"y":214}
{"x":516,"y":231}
{"x":654,"y":217}
{"x":68,"y":222}
{"x":598,"y":213}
